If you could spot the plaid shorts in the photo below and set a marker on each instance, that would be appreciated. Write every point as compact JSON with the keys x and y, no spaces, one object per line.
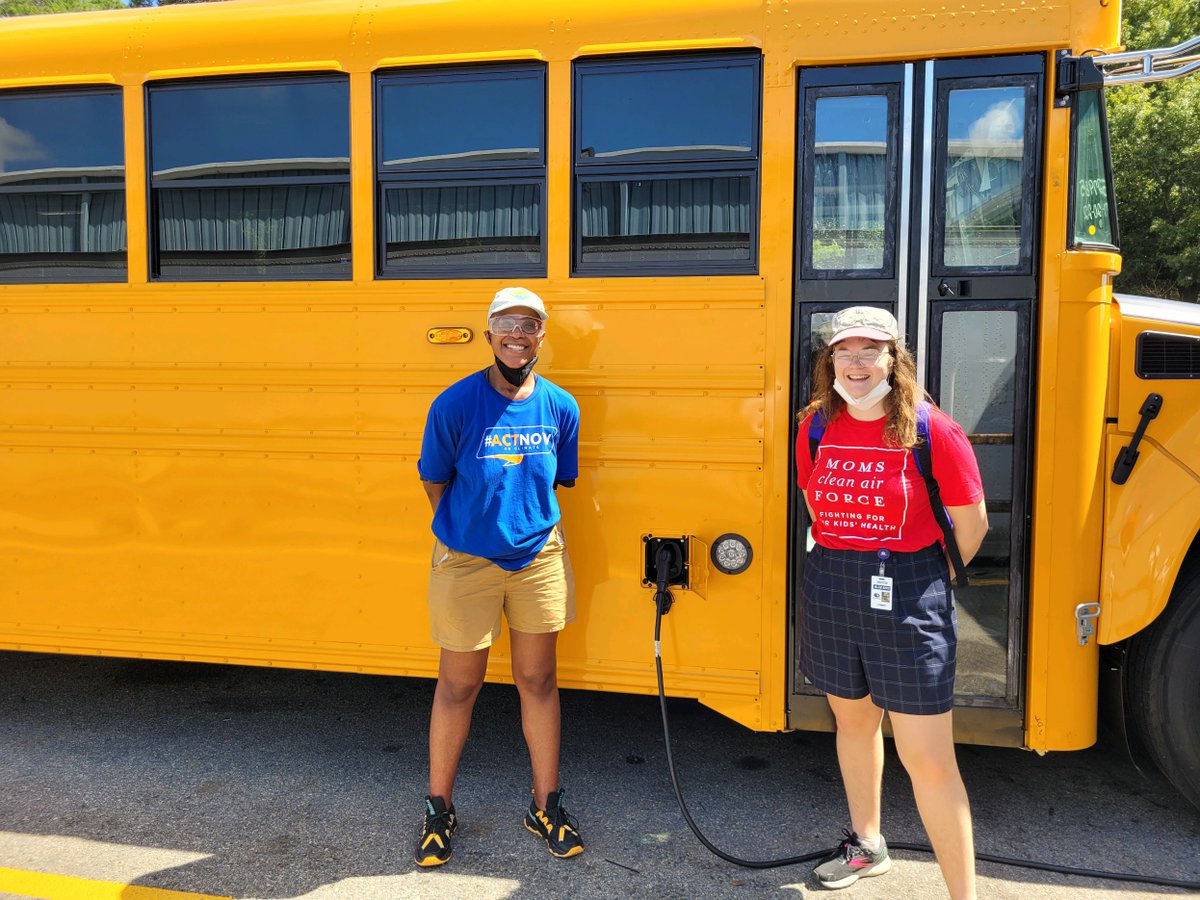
{"x":903,"y":658}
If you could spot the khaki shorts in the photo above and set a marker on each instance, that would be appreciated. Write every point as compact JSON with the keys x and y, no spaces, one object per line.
{"x":467,"y":594}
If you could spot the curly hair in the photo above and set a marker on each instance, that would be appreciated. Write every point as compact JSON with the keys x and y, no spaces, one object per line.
{"x":900,"y":405}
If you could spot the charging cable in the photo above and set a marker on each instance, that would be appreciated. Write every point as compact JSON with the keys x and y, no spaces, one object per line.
{"x":663,"y":600}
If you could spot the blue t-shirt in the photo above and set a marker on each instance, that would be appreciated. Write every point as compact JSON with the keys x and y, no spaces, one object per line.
{"x":500,"y":458}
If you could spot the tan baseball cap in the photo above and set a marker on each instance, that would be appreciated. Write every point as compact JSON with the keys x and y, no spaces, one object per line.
{"x":865,"y":322}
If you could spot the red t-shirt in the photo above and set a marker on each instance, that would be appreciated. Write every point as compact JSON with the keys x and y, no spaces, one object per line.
{"x":867,"y":495}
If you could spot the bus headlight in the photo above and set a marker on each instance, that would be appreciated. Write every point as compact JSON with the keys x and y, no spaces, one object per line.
{"x":731,"y":553}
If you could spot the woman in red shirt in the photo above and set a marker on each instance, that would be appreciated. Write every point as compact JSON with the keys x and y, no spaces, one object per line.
{"x":878,"y":629}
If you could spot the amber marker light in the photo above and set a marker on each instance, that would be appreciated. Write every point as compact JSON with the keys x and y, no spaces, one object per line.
{"x":448,"y":334}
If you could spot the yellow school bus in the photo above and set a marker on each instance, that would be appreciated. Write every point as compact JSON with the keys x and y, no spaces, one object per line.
{"x":243,"y":245}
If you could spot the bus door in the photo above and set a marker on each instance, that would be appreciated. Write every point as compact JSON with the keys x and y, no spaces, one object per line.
{"x":917,"y":192}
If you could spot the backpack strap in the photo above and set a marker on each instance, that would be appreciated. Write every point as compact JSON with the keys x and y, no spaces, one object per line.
{"x":816,"y":431}
{"x":924,"y":458}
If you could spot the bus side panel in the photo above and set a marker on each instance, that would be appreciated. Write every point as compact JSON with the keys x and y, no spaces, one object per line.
{"x":232,"y":476}
{"x":210,"y":482}
{"x":712,"y":639}
{"x":1150,"y":523}
{"x":1152,"y":519}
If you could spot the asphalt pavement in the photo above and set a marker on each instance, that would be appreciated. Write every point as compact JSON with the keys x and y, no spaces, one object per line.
{"x":263,"y":784}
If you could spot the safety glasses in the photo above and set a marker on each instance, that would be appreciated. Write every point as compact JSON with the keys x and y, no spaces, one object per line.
{"x":530,"y":326}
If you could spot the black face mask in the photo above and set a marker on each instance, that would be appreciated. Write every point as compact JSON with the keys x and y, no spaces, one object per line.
{"x":515,"y":377}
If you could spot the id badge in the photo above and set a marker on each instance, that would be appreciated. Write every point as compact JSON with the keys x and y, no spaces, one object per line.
{"x":881,"y":592}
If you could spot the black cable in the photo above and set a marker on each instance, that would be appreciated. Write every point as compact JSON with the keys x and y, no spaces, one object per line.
{"x":662,"y":699}
{"x":806,"y":857}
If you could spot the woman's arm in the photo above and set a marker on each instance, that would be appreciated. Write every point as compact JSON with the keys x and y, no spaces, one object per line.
{"x":970,"y":526}
{"x":434,"y":491}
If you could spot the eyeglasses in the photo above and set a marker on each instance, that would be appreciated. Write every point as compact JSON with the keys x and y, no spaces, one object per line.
{"x":866,"y":357}
{"x":529,"y":325}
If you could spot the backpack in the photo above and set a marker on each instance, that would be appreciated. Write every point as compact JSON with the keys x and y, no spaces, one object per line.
{"x":924,"y":460}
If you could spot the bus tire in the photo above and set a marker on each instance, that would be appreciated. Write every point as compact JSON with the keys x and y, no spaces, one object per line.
{"x":1162,"y":697}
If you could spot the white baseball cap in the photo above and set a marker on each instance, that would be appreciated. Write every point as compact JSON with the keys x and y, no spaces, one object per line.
{"x":510,"y":297}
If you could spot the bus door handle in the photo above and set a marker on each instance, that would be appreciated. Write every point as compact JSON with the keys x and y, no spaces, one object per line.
{"x":1085,"y":621}
{"x":962,"y":289}
{"x":1129,"y":453}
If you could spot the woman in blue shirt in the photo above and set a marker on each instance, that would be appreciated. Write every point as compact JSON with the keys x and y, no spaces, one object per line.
{"x":497,"y":443}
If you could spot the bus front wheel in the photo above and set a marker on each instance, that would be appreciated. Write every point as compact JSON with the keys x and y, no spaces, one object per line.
{"x":1162,"y":679}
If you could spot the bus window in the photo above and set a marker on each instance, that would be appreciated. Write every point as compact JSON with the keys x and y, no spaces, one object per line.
{"x":62,"y":186}
{"x":980,"y":385}
{"x":987,"y":158}
{"x":250,"y":178}
{"x":666,"y":165}
{"x":1093,"y":208}
{"x":461,"y":165}
{"x":853,"y":183}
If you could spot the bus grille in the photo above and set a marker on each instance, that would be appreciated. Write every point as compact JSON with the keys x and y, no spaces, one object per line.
{"x":1167,"y":355}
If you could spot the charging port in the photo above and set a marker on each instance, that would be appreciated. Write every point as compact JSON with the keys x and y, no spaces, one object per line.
{"x":666,"y":565}
{"x":674,"y":558}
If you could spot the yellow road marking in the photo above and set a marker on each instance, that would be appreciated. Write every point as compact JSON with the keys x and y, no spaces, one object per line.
{"x":67,"y":887}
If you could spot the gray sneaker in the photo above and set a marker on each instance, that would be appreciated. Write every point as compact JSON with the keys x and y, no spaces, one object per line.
{"x":852,"y":861}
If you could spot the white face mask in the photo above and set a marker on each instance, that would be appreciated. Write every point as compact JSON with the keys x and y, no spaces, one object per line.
{"x":868,"y":400}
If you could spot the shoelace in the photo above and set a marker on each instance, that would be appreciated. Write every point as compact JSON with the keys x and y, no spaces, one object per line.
{"x":562,"y":817}
{"x":559,"y":817}
{"x":849,"y":848}
{"x":439,"y":822}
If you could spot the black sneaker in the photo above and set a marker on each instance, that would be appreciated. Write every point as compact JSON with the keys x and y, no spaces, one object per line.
{"x":852,"y":861}
{"x":555,"y":826}
{"x":433,"y":842}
